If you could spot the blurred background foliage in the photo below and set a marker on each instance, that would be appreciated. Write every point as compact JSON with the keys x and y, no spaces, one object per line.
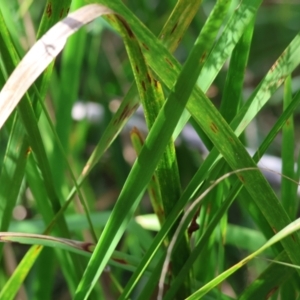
{"x":105,"y":77}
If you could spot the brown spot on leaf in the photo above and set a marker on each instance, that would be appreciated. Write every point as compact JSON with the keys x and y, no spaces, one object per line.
{"x":128,"y":111}
{"x":169,"y":62}
{"x":173,"y":29}
{"x":208,"y":209}
{"x":134,"y":131}
{"x":134,"y":107}
{"x":145,"y":46}
{"x":88,"y":247}
{"x":153,"y":178}
{"x":137,"y":69}
{"x":149,"y":77}
{"x":274,"y":230}
{"x":38,"y":248}
{"x":214,"y":127}
{"x":280,"y":81}
{"x":242,"y":179}
{"x":274,"y":65}
{"x":179,"y":40}
{"x":272,"y":291}
{"x":161,"y":212}
{"x":126,"y":26}
{"x":61,"y":14}
{"x":110,"y":18}
{"x":202,"y":58}
{"x":120,"y":261}
{"x":124,"y":113}
{"x":49,"y":10}
{"x":155,"y":83}
{"x":28,"y":151}
{"x":154,"y":195}
{"x":143,"y":85}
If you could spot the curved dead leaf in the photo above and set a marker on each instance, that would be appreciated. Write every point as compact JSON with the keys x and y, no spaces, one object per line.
{"x":42,"y":54}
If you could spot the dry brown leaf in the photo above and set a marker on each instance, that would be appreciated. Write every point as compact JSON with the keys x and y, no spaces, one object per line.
{"x":42,"y":54}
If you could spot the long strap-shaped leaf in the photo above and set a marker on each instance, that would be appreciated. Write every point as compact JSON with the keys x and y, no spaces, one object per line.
{"x":236,"y":187}
{"x":144,"y":166}
{"x":44,"y":51}
{"x":18,"y":150}
{"x":285,"y":232}
{"x":30,"y":65}
{"x":220,"y":133}
{"x":167,"y":68}
{"x":212,"y":119}
{"x":264,"y":91}
{"x":122,"y":116}
{"x":262,"y":94}
{"x":122,"y":260}
{"x":208,"y":33}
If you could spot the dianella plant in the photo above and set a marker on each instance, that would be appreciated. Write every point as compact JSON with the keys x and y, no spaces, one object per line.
{"x":105,"y":192}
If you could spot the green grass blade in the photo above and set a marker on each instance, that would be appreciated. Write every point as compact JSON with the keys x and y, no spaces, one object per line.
{"x":27,"y":114}
{"x":150,"y":58}
{"x":9,"y":291}
{"x":11,"y":177}
{"x":168,"y":177}
{"x":288,"y":189}
{"x":71,"y":64}
{"x":178,"y":22}
{"x":277,"y":217}
{"x":269,"y":281}
{"x":153,"y":187}
{"x":12,"y":171}
{"x":20,"y":172}
{"x":11,"y":61}
{"x":152,"y":282}
{"x":42,"y":289}
{"x":130,"y":101}
{"x":288,"y":230}
{"x":145,"y":164}
{"x":21,"y":152}
{"x":59,"y":44}
{"x":235,"y":27}
{"x":46,"y":49}
{"x":82,"y":248}
{"x":122,"y":260}
{"x":53,"y":12}
{"x":231,"y":142}
{"x":152,"y":99}
{"x":208,"y":35}
{"x":232,"y":94}
{"x":161,"y":61}
{"x":167,"y":68}
{"x":188,"y":194}
{"x":234,"y":191}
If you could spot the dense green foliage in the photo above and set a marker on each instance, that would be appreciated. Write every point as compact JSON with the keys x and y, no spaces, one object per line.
{"x":127,"y":156}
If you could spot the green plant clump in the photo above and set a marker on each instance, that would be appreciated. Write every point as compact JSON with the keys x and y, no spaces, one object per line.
{"x":125,"y":130}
